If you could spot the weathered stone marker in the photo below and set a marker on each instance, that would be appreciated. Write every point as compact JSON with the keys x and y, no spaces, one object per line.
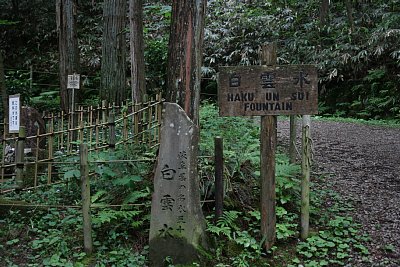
{"x":177,"y":226}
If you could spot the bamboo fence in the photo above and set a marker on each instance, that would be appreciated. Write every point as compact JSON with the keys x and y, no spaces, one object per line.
{"x":102,"y":127}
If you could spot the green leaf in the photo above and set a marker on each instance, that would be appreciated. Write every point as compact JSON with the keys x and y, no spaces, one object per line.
{"x":12,"y":242}
{"x":72,"y":174}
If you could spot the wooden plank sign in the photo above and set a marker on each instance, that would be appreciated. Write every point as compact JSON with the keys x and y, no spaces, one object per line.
{"x":268,"y":90}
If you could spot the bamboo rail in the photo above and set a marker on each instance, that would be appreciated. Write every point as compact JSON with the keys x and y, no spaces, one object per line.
{"x":101,"y":127}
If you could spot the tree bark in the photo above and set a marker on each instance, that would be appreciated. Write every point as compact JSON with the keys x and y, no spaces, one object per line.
{"x":349,"y":9}
{"x":323,"y":12}
{"x":185,"y":55}
{"x":68,"y":48}
{"x":138,"y":82}
{"x":4,"y":95}
{"x":113,"y":67}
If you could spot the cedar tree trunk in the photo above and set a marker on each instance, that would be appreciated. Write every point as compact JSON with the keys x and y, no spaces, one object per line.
{"x":4,"y":96}
{"x":113,"y":66}
{"x":185,"y":55}
{"x":68,"y":48}
{"x":138,"y":82}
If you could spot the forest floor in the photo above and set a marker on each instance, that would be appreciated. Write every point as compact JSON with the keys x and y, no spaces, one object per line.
{"x":361,"y":163}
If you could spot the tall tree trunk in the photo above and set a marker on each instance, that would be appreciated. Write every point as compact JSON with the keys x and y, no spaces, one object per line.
{"x":185,"y":55}
{"x":349,"y":9}
{"x":68,"y":48}
{"x":113,"y":67}
{"x":138,"y":82}
{"x":3,"y":89}
{"x":323,"y":12}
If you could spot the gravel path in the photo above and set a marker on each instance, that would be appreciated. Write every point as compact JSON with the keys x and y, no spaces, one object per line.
{"x":364,"y":163}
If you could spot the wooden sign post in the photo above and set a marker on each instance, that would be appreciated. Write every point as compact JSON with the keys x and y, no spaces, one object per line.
{"x":266,"y":91}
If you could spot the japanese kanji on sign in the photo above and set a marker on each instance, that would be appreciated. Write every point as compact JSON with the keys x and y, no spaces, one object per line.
{"x":14,"y":113}
{"x":268,"y":90}
{"x":73,"y":81}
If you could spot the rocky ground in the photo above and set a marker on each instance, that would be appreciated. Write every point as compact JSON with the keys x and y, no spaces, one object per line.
{"x":363,"y":165}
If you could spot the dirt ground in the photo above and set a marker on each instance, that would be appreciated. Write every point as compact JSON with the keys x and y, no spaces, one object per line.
{"x":363,"y":165}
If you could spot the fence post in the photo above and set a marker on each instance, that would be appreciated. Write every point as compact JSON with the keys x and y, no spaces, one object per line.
{"x":219,"y":176}
{"x":35,"y":178}
{"x":85,"y":186}
{"x":111,"y":128}
{"x":19,"y":157}
{"x":292,"y":139}
{"x":305,"y":181}
{"x":268,"y":139}
{"x":50,"y":150}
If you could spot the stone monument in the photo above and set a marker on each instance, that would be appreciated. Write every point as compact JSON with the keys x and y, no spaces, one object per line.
{"x":177,"y":226}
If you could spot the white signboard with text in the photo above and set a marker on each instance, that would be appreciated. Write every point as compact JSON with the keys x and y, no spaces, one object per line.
{"x":14,"y":113}
{"x":73,"y":81}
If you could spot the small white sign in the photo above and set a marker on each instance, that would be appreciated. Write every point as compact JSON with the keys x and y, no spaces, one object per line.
{"x":14,"y":113}
{"x":73,"y":81}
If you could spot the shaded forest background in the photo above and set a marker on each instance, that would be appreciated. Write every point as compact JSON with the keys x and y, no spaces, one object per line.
{"x":355,"y":44}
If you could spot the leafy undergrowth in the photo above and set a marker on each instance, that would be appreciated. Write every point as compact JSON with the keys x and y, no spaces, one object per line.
{"x":52,"y":235}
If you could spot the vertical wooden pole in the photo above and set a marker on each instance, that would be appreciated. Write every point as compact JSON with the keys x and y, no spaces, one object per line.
{"x":69,"y":133}
{"x":149,"y":122}
{"x":103,"y":120}
{"x":292,"y":139}
{"x":97,"y":134}
{"x":267,"y":150}
{"x":19,"y":157}
{"x":50,"y":150}
{"x":62,"y":130}
{"x":219,"y":176}
{"x":305,"y":182}
{"x":5,"y":127}
{"x":125,"y":129}
{"x":111,"y":128}
{"x":136,"y":117}
{"x":91,"y":125}
{"x":159,"y":112}
{"x":35,"y":179}
{"x":85,"y":186}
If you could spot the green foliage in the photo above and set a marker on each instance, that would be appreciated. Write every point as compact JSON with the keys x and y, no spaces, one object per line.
{"x":334,"y":245}
{"x":18,"y":82}
{"x":47,"y":101}
{"x":236,"y":30}
{"x":241,"y":157}
{"x":240,"y":245}
{"x":120,"y":211}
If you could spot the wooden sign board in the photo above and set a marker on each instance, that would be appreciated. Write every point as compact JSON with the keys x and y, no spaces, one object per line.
{"x":268,"y":90}
{"x":14,"y":113}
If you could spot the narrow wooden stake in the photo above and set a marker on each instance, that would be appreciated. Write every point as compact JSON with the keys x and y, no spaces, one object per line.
{"x":62,"y":130}
{"x":149,"y":123}
{"x":136,"y":117}
{"x":5,"y":127}
{"x":19,"y":158}
{"x":91,"y":126}
{"x":111,"y":128}
{"x":97,"y":134}
{"x":219,"y":176}
{"x":125,"y":129}
{"x":292,"y":139}
{"x":305,"y":182}
{"x":159,"y":112}
{"x":85,"y":186}
{"x":267,"y":164}
{"x":50,"y":150}
{"x":35,"y":179}
{"x":103,"y":120}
